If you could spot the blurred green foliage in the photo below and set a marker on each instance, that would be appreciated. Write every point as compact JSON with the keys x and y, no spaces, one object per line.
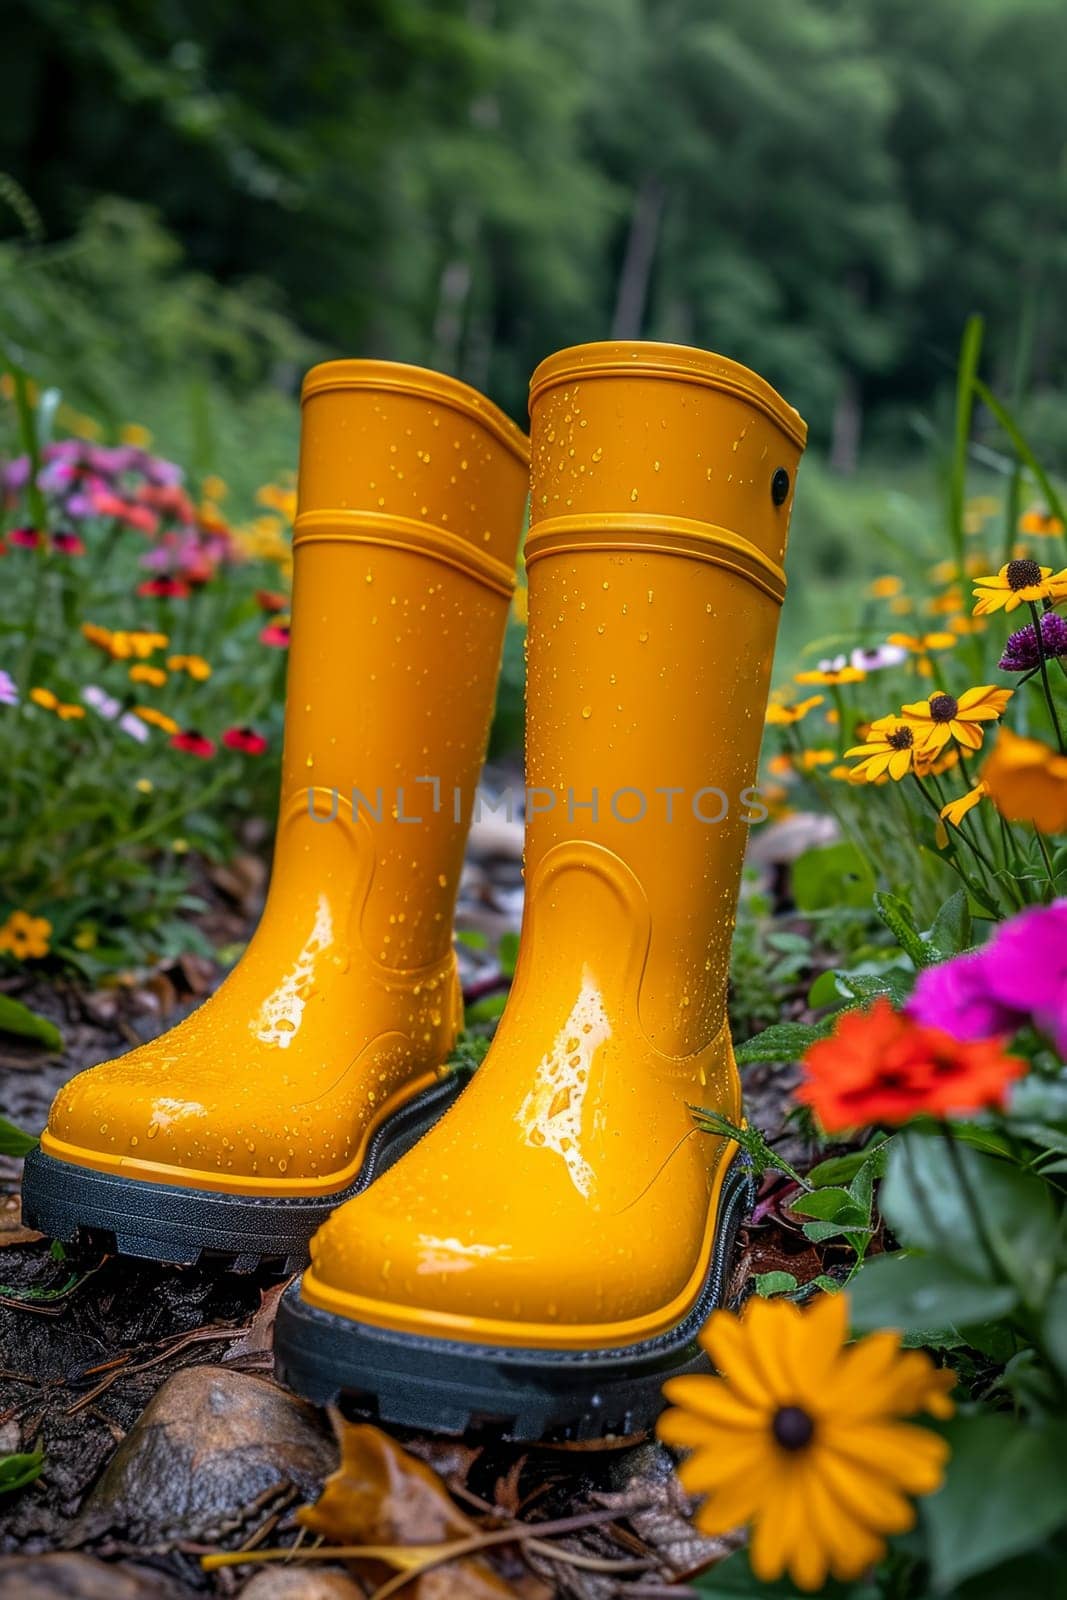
{"x":822,"y":189}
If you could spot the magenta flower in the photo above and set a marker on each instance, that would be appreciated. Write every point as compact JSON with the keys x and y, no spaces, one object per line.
{"x":1026,"y":967}
{"x":1021,"y":652}
{"x":1020,"y":976}
{"x":955,"y":995}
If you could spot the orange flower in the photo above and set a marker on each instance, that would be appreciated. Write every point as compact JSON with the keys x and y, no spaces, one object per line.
{"x":881,"y":1067}
{"x":1040,"y":522}
{"x":1027,"y":782}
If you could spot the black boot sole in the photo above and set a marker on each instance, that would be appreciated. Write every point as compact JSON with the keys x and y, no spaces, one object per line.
{"x":445,"y":1386}
{"x":162,"y":1222}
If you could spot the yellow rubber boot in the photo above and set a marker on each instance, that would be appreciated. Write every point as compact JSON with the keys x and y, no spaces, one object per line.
{"x":321,"y":1057}
{"x":545,"y":1257}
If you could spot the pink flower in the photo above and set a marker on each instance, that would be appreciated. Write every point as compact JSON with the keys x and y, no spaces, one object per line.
{"x":194,"y":743}
{"x":67,"y":543}
{"x":26,"y":538}
{"x":276,"y":634}
{"x":955,"y":996}
{"x":163,"y":589}
{"x":247,"y":740}
{"x":1019,"y":976}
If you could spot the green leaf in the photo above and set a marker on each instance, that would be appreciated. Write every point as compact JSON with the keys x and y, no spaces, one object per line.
{"x":771,"y":1283}
{"x":952,"y":930}
{"x":16,"y":1471}
{"x":17,"y":1019}
{"x":13,"y":1142}
{"x":818,"y":1232}
{"x":782,"y":1041}
{"x":946,"y":1199}
{"x":896,"y":915}
{"x":1055,"y":1324}
{"x":966,"y":382}
{"x":825,"y":991}
{"x":923,"y":1293}
{"x":830,"y":877}
{"x":830,"y":1205}
{"x":1004,"y":1492}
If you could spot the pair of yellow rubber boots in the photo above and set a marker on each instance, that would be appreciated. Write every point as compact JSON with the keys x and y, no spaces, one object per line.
{"x":538,"y":1251}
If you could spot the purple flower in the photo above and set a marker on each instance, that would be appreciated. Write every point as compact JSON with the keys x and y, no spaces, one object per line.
{"x":16,"y":474}
{"x":9,"y":695}
{"x":1026,"y":968}
{"x":1022,"y":653}
{"x":955,"y":996}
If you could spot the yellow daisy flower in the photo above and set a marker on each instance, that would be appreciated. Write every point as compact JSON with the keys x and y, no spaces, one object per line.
{"x":803,"y":1439}
{"x":962,"y":625}
{"x":195,"y":666}
{"x":921,"y":644}
{"x":839,"y":670}
{"x":888,"y":750}
{"x":214,"y":487}
{"x":51,"y":702}
{"x":1027,"y":782}
{"x":886,"y":587}
{"x":956,"y":810}
{"x":1017,"y":583}
{"x":132,"y":433}
{"x":785,"y":716}
{"x":156,"y":719}
{"x":946,"y":716}
{"x":144,"y":674}
{"x":808,"y":760}
{"x":24,"y":937}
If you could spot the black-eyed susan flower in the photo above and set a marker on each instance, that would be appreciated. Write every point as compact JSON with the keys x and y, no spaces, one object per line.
{"x":156,"y":718}
{"x":947,"y":716}
{"x":51,"y":702}
{"x":1018,"y":583}
{"x":785,"y":716}
{"x":888,"y":750}
{"x":808,"y":760}
{"x":195,"y":666}
{"x":1027,"y":782}
{"x":143,"y":673}
{"x":831,"y":671}
{"x":25,"y":937}
{"x":802,"y":1438}
{"x":886,"y":587}
{"x":921,"y":644}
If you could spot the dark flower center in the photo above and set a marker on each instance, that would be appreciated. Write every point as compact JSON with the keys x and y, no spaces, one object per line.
{"x":943,"y":707}
{"x":903,"y":739}
{"x":793,"y":1429}
{"x":1023,"y":574}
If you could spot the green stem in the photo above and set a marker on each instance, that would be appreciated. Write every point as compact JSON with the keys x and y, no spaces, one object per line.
{"x":1045,"y":684}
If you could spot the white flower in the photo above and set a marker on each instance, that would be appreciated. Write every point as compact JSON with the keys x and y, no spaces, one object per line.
{"x":878,"y":657}
{"x":134,"y":727}
{"x":101,"y":701}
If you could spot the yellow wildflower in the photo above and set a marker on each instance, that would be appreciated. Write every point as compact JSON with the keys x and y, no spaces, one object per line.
{"x":785,"y":716}
{"x":156,"y":719}
{"x":888,"y":750}
{"x":1017,"y":583}
{"x":1041,"y":522}
{"x":946,"y":716}
{"x":886,"y":587}
{"x":132,"y":433}
{"x":151,"y":675}
{"x":25,"y":937}
{"x":195,"y":666}
{"x":838,"y":670}
{"x":214,"y":487}
{"x":808,"y":760}
{"x":51,"y":702}
{"x":956,"y":810}
{"x":802,"y":1437}
{"x":1027,"y":782}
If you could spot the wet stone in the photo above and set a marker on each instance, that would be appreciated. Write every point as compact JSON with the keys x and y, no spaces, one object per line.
{"x":206,"y":1455}
{"x":68,"y":1576}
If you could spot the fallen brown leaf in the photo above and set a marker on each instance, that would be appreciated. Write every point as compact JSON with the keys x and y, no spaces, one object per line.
{"x":381,"y":1495}
{"x":11,"y":1227}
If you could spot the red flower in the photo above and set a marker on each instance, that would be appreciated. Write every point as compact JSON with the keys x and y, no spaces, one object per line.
{"x":272,"y":601}
{"x":197,"y":571}
{"x":68,"y":544}
{"x":194,"y":744}
{"x":26,"y":538}
{"x":163,"y":589}
{"x":247,"y":740}
{"x":879,"y":1066}
{"x":169,"y":499}
{"x":277,"y":634}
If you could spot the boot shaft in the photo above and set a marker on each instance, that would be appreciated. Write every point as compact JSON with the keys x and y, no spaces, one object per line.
{"x":662,"y":486}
